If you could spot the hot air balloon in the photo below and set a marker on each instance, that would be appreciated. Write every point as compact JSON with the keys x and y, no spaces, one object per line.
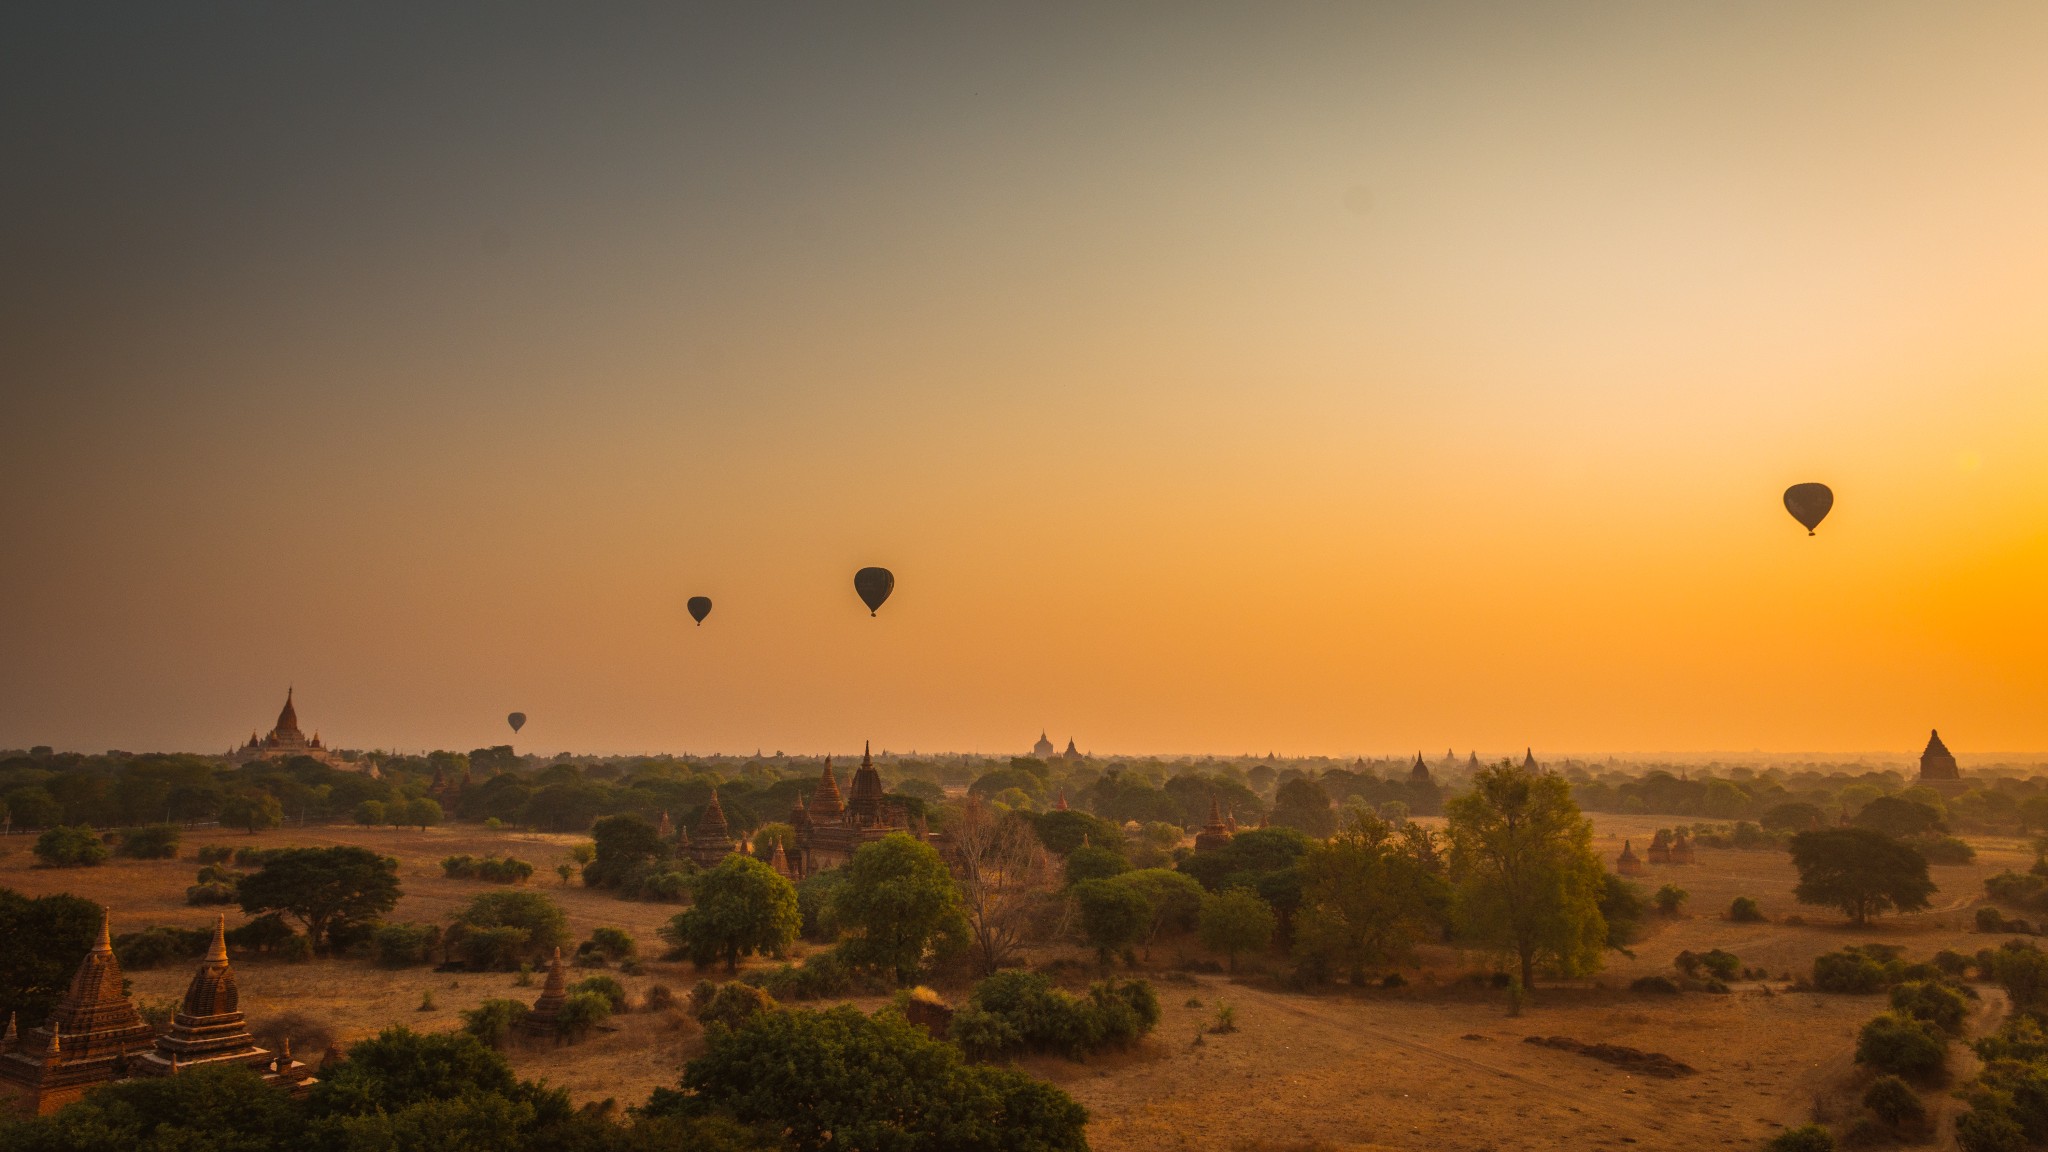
{"x":1809,"y":504}
{"x":700,"y":607}
{"x":517,"y":720}
{"x":874,"y":586}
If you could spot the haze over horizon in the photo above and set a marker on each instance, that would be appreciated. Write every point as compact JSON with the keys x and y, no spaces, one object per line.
{"x":1318,"y":379}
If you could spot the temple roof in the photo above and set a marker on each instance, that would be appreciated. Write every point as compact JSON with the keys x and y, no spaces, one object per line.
{"x":212,"y":991}
{"x":711,"y":825}
{"x":1529,"y":758}
{"x":826,"y":803}
{"x":1934,"y":745}
{"x":288,"y":717}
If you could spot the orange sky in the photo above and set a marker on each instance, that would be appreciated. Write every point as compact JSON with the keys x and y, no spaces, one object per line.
{"x":1303,"y":379}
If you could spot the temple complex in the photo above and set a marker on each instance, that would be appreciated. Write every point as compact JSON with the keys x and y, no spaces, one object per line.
{"x":94,"y":1035}
{"x":830,"y":829}
{"x":285,"y":741}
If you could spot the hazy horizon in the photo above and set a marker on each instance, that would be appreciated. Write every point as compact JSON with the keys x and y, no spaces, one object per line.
{"x":1305,"y":376}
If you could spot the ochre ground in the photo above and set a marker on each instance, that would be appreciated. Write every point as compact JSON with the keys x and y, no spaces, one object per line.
{"x":1431,"y":1066}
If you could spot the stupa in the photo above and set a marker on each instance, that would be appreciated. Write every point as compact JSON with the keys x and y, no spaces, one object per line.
{"x":89,"y":1038}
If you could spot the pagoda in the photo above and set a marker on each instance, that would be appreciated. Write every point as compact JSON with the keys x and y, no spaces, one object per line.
{"x":285,"y":741}
{"x":1938,"y":768}
{"x":86,"y":1040}
{"x":831,"y":830}
{"x":546,"y":1017}
{"x":1681,"y":847}
{"x":209,"y":1029}
{"x":1043,"y":749}
{"x":711,"y":841}
{"x":1215,"y":834}
{"x":1629,"y":864}
{"x":1419,"y":774}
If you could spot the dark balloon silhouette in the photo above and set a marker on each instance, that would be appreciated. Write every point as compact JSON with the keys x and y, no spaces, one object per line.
{"x":1809,"y":504}
{"x":700,"y":607}
{"x":874,"y":586}
{"x":517,"y":720}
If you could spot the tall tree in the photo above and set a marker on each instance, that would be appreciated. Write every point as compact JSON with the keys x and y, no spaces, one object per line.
{"x":1527,"y":880}
{"x":1113,"y":916}
{"x":742,"y":907}
{"x":1005,"y":874}
{"x":320,"y":886}
{"x":1235,"y":920}
{"x":896,"y":904}
{"x":42,"y":942}
{"x":1368,"y":896}
{"x":1861,"y":871}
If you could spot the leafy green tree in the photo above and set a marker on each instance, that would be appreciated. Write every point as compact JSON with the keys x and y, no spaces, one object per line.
{"x":66,"y":846}
{"x":1898,"y":816}
{"x":1094,"y":862}
{"x":1302,"y":803}
{"x":896,"y":903}
{"x":421,"y":812}
{"x":42,"y":942}
{"x":500,"y":929}
{"x":1113,"y":916}
{"x":370,"y":812}
{"x":767,"y":836}
{"x":840,"y":1080}
{"x":1235,"y":920}
{"x":1369,"y":895}
{"x":742,"y":907}
{"x":1861,"y":871}
{"x":220,"y":1108}
{"x":252,"y":812}
{"x":1528,"y":882}
{"x":1174,"y":898}
{"x":1623,"y":908}
{"x":1062,"y":832}
{"x":320,"y":887}
{"x":621,"y":846}
{"x":155,"y":842}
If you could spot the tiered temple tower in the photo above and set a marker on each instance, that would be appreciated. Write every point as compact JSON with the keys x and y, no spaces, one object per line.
{"x":1419,"y":774}
{"x":1629,"y":864}
{"x":711,"y":841}
{"x":546,"y":1017}
{"x":285,"y":741}
{"x":88,"y":1039}
{"x":209,"y":1028}
{"x":1216,"y":833}
{"x":831,"y":831}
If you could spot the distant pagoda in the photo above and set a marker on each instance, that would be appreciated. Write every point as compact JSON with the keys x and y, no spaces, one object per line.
{"x":284,"y":741}
{"x":1937,"y":763}
{"x":546,"y":1017}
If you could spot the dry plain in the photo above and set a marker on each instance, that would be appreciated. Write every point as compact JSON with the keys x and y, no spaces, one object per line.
{"x":1435,"y":1065}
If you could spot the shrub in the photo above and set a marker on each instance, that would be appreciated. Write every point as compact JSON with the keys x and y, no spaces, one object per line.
{"x":1951,"y":963}
{"x":1991,"y":920}
{"x":1902,"y":1046}
{"x":215,"y":854}
{"x":821,"y":976}
{"x":266,"y":933}
{"x":1043,"y":1018}
{"x":215,"y":874}
{"x":1988,"y":1129}
{"x":499,"y":929}
{"x":68,"y":847}
{"x":1944,"y":850}
{"x":212,"y":892}
{"x":1849,"y":971}
{"x":1805,"y":1138}
{"x":498,"y":870}
{"x":660,"y":998}
{"x":295,"y":949}
{"x":1095,"y":862}
{"x":1669,"y":898}
{"x":494,"y":1021}
{"x":153,"y":946}
{"x":1897,"y":1106}
{"x":404,"y":945}
{"x":1721,"y":965}
{"x":608,"y":944}
{"x":249,"y":856}
{"x":156,"y":842}
{"x":613,"y":992}
{"x":730,"y":1005}
{"x":1745,"y":911}
{"x":1936,"y":1003}
{"x":1654,"y":985}
{"x":583,"y":1011}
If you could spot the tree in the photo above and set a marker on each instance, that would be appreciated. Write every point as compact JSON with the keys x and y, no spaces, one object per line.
{"x":420,"y":812}
{"x":1173,"y":897}
{"x":71,"y":847}
{"x":1004,"y":873}
{"x":1113,"y":916}
{"x":1063,"y":831}
{"x":742,"y":907}
{"x":1527,"y":880}
{"x":217,"y":1107}
{"x":320,"y":887}
{"x":1094,"y":862}
{"x":155,"y":842}
{"x":620,"y":845}
{"x":500,"y":929}
{"x":42,"y":942}
{"x":840,"y":1080}
{"x":767,"y":836}
{"x":1301,"y":803}
{"x":1897,"y":816}
{"x":1669,"y":898}
{"x":1236,"y":920}
{"x":252,"y":811}
{"x":896,"y":903}
{"x":1368,"y":896}
{"x":1861,"y":871}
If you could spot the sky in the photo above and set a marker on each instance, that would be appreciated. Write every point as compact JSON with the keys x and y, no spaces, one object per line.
{"x":1323,"y":379}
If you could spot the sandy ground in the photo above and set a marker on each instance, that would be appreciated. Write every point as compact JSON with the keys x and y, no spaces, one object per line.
{"x":1427,"y":1067}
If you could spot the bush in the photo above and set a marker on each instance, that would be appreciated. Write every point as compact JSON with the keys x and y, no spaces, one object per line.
{"x":1654,"y":985}
{"x":815,"y":898}
{"x":215,"y":874}
{"x":248,"y":856}
{"x":660,"y":998}
{"x":1985,"y":1129}
{"x":212,"y":892}
{"x":156,"y":842}
{"x":1717,"y":964}
{"x":1895,"y":1105}
{"x":1805,"y":1138}
{"x":266,"y":933}
{"x":583,"y":1011}
{"x":1944,"y":850}
{"x":823,"y":975}
{"x":1937,"y":1004}
{"x":1991,"y":920}
{"x":1849,"y":971}
{"x":1745,"y":911}
{"x":498,"y":870}
{"x":613,"y":992}
{"x":499,"y":929}
{"x":1040,"y":1017}
{"x":495,"y":1021}
{"x":68,"y":847}
{"x":215,"y":854}
{"x":1903,"y":1046}
{"x":1951,"y":963}
{"x":1095,"y":862}
{"x":1669,"y":898}
{"x":153,"y":946}
{"x":730,"y":1005}
{"x":607,"y":944}
{"x":404,"y":945}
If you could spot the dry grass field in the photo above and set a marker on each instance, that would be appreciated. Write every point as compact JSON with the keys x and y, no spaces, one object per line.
{"x":1430,"y":1066}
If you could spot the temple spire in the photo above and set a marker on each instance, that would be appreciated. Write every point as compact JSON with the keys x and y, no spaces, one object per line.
{"x":217,"y":952}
